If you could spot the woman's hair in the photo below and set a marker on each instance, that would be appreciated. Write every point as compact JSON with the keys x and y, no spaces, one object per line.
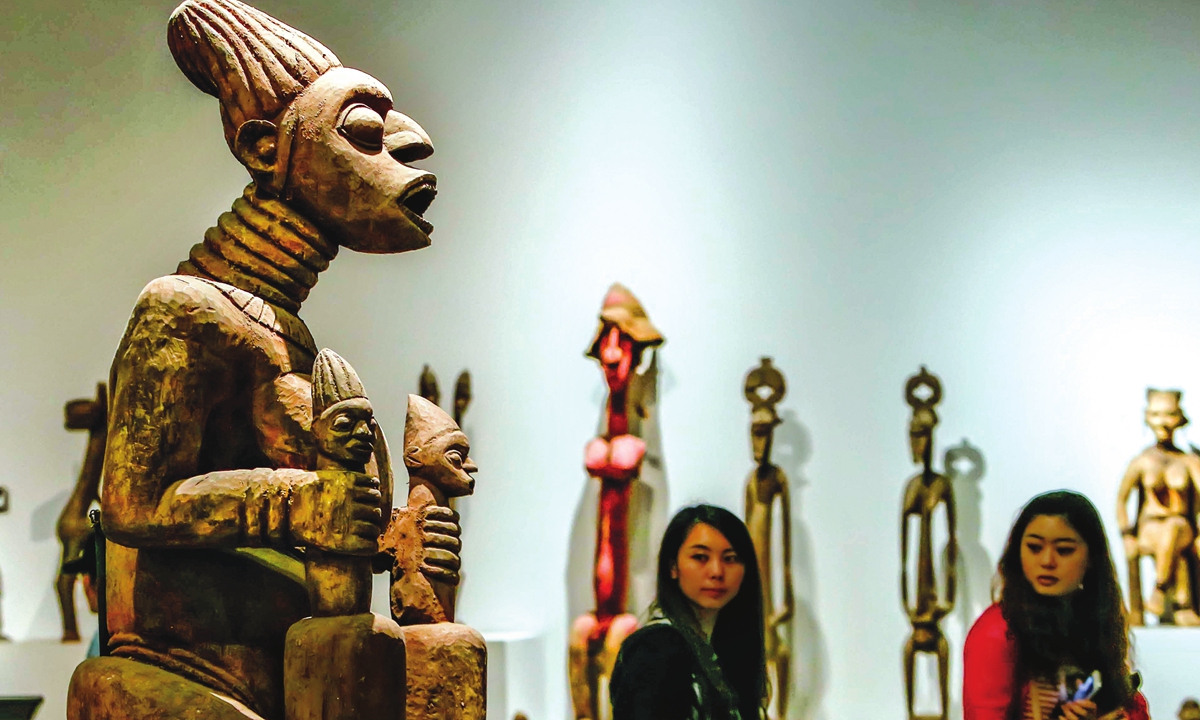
{"x":1086,"y":628}
{"x":738,"y":636}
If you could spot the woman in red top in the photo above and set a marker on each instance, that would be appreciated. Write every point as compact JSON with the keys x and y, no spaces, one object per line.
{"x":1060,"y":614}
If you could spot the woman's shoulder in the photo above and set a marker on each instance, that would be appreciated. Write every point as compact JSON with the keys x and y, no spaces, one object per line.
{"x":656,"y":638}
{"x":990,"y":627}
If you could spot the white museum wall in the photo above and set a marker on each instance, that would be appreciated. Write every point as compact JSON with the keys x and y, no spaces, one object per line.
{"x":1005,"y":192}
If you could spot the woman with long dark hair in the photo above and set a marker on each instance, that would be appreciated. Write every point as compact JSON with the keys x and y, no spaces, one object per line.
{"x":701,"y":655}
{"x":1059,"y":619}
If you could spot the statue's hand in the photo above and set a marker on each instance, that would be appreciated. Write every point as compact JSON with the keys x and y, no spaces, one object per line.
{"x":442,"y":545}
{"x":337,"y":511}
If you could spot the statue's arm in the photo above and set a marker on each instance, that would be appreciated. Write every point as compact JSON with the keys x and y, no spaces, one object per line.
{"x":785,"y":517}
{"x":164,"y":381}
{"x":904,"y":555}
{"x":1133,"y":475}
{"x":951,"y":547}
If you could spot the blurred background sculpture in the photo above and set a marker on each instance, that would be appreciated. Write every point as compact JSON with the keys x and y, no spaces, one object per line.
{"x":212,"y":490}
{"x":73,"y":528}
{"x":766,"y":486}
{"x":614,"y":459}
{"x":428,"y":389}
{"x":932,"y":598}
{"x":1164,"y":479}
{"x":1189,"y":710}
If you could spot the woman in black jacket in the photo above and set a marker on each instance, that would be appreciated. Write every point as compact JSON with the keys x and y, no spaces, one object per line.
{"x":701,"y":656}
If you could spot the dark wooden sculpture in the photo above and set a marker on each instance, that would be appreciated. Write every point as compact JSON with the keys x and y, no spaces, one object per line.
{"x":215,"y":485}
{"x":925,"y":492}
{"x":614,"y":459}
{"x":1166,"y":480}
{"x":766,"y":486}
{"x":73,"y":528}
{"x":428,"y":389}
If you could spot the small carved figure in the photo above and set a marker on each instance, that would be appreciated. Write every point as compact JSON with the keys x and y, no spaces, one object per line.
{"x":615,"y":459}
{"x":73,"y":528}
{"x":344,"y":429}
{"x":436,"y":453}
{"x":931,"y":600}
{"x":1164,"y":526}
{"x":766,"y":486}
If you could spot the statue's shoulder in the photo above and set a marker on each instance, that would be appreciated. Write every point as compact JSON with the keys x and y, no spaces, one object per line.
{"x":176,"y":304}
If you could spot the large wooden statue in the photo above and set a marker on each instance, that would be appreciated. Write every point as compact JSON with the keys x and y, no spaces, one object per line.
{"x":73,"y":528}
{"x":614,"y":459}
{"x":766,"y":486}
{"x":213,"y":482}
{"x":932,"y":598}
{"x":1165,"y":479}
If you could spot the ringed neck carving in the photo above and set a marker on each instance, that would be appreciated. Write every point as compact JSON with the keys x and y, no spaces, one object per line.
{"x":264,"y":247}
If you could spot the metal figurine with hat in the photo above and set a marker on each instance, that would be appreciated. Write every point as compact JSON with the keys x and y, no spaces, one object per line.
{"x":615,"y":460}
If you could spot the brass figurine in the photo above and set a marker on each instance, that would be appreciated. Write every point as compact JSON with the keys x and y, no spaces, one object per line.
{"x":931,"y":600}
{"x":1165,"y":479}
{"x":766,"y":486}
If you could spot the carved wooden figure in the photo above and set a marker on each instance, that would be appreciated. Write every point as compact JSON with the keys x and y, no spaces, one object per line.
{"x":73,"y":528}
{"x":766,"y":487}
{"x":447,"y":662}
{"x":1166,"y":481}
{"x":930,"y":600}
{"x":211,"y":478}
{"x":615,"y":459}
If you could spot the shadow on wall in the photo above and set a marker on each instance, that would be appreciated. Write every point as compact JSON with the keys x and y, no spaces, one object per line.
{"x":648,"y":505}
{"x":965,"y":466}
{"x":791,"y":449}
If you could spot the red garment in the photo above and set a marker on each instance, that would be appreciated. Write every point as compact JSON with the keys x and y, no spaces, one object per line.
{"x":989,"y":666}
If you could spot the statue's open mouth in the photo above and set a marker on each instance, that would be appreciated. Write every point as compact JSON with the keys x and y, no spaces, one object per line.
{"x":416,"y":200}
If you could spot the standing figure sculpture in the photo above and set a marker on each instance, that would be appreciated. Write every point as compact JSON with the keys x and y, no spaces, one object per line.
{"x":614,"y":459}
{"x":767,"y":485}
{"x":1166,"y":480}
{"x":213,"y":487}
{"x":930,"y":600}
{"x":73,"y":529}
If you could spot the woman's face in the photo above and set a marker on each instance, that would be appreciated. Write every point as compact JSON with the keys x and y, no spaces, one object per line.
{"x":708,"y":569}
{"x":1053,"y":556}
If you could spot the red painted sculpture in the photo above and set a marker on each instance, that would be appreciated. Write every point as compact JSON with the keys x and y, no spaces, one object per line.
{"x":614,"y":458}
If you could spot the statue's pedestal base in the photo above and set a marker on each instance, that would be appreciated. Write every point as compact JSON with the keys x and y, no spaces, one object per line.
{"x":1167,"y":657}
{"x":446,"y":674}
{"x":345,"y":668}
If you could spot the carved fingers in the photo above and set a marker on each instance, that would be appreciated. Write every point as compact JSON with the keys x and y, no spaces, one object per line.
{"x":442,"y":545}
{"x":338,"y":511}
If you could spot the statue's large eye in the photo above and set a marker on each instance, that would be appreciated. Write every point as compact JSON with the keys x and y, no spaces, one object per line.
{"x":362,"y":126}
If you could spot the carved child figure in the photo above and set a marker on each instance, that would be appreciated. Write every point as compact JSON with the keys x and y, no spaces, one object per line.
{"x":447,"y":662}
{"x":439,"y":469}
{"x":1164,"y":527}
{"x":615,"y":459}
{"x":925,"y":492}
{"x":766,"y":486}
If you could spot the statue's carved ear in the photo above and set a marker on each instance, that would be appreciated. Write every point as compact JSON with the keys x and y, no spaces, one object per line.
{"x":255,"y":146}
{"x":410,"y":456}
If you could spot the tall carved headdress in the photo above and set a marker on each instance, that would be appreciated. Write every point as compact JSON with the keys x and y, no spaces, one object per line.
{"x":333,"y":380}
{"x":252,"y":63}
{"x":622,"y":308}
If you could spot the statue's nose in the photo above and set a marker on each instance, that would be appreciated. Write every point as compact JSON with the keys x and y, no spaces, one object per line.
{"x":404,"y":139}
